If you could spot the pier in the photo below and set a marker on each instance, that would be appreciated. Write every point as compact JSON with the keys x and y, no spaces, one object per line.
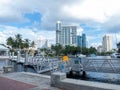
{"x":41,"y":64}
{"x":93,"y":66}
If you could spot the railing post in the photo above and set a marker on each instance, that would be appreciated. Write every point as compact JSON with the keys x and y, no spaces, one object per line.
{"x":12,"y":55}
{"x":26,"y":58}
{"x":18,"y":56}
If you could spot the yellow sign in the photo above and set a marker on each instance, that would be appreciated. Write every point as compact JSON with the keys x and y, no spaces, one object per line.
{"x":65,"y":58}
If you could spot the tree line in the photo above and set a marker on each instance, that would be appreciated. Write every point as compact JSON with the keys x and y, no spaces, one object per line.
{"x":72,"y":50}
{"x":17,"y":42}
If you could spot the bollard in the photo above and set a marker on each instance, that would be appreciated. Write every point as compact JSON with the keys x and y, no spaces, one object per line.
{"x":8,"y":69}
{"x":26,"y":58}
{"x":18,"y":56}
{"x":84,"y":74}
{"x":12,"y":55}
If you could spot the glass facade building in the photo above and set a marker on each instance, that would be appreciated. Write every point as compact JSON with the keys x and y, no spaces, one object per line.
{"x":81,"y":40}
{"x":84,"y":40}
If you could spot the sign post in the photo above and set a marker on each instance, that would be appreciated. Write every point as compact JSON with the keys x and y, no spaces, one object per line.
{"x":64,"y":60}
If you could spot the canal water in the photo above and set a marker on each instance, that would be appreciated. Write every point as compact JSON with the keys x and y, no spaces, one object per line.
{"x":90,"y":76}
{"x":18,"y":67}
{"x":98,"y":77}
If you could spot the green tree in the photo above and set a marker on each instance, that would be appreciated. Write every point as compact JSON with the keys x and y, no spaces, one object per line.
{"x":92,"y":50}
{"x":18,"y":41}
{"x":32,"y":44}
{"x":85,"y":51}
{"x":10,"y":42}
{"x":57,"y":49}
{"x":26,"y":43}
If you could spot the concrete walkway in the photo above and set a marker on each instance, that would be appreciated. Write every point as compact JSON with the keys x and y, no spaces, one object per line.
{"x":29,"y":81}
{"x":9,"y":84}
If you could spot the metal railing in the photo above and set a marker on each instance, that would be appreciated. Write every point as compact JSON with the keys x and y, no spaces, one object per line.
{"x":102,"y":64}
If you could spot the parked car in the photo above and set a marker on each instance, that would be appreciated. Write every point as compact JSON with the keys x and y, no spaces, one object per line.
{"x":115,"y":55}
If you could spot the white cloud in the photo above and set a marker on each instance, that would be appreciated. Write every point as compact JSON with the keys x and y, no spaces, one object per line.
{"x":26,"y":33}
{"x":95,"y":45}
{"x":104,"y":12}
{"x":79,"y":31}
{"x":112,"y":24}
{"x":67,"y":11}
{"x":115,"y":39}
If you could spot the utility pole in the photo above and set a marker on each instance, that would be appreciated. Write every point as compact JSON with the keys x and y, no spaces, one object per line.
{"x":116,"y":41}
{"x":81,"y":44}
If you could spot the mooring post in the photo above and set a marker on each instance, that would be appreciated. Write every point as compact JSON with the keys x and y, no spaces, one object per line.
{"x":18,"y":56}
{"x":26,"y":58}
{"x":12,"y":55}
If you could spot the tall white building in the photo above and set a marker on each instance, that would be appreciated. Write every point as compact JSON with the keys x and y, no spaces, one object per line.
{"x":58,"y":32}
{"x":66,"y":35}
{"x":99,"y":48}
{"x":107,"y":43}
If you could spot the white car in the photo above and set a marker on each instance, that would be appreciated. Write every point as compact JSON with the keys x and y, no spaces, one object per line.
{"x":115,"y":55}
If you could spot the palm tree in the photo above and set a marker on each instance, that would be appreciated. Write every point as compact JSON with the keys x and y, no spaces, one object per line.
{"x":18,"y":41}
{"x":26,"y":43}
{"x":32,"y":44}
{"x":57,"y":49}
{"x":10,"y":42}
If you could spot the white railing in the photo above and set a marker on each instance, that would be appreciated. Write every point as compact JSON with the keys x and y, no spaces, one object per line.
{"x":104,"y":64}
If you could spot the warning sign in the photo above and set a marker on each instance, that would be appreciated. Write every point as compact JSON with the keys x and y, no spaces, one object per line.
{"x":65,"y":58}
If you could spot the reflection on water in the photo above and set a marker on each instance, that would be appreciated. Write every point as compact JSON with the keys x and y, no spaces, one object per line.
{"x":98,"y":77}
{"x":104,"y":77}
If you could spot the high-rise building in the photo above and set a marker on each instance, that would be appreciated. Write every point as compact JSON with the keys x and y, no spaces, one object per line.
{"x":81,"y":40}
{"x":99,"y":48}
{"x":66,"y":35}
{"x":58,"y":32}
{"x":107,"y":43}
{"x":84,"y":40}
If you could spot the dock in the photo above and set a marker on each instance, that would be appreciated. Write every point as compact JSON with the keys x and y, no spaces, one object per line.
{"x":25,"y":81}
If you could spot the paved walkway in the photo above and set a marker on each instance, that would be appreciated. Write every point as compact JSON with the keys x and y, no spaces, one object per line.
{"x":25,"y":81}
{"x":9,"y":84}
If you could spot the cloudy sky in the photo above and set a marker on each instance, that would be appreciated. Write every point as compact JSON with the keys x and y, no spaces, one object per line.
{"x":37,"y":18}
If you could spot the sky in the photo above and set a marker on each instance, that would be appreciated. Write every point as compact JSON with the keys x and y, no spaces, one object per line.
{"x":37,"y":18}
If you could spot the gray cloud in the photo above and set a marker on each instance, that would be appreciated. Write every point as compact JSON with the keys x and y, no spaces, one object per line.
{"x":112,"y":25}
{"x":12,"y":11}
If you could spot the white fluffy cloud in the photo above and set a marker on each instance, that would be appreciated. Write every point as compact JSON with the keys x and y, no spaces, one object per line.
{"x":76,"y":11}
{"x":104,"y":12}
{"x":26,"y":33}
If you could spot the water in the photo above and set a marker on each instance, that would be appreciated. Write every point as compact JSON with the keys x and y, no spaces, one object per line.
{"x":98,"y":77}
{"x":90,"y":76}
{"x":104,"y":77}
{"x":2,"y":64}
{"x":18,"y":67}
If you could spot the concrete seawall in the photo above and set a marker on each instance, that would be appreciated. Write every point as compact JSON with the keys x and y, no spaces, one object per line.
{"x":59,"y":80}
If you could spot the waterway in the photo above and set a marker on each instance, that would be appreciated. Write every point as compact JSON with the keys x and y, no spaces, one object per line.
{"x":18,"y":67}
{"x":90,"y":76}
